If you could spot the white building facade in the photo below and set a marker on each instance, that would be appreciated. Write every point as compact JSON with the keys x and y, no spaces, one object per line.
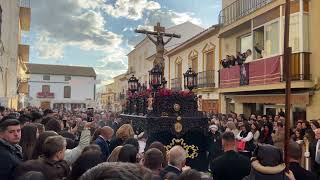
{"x":75,"y":88}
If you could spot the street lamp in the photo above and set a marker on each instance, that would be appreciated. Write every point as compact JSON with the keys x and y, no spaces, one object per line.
{"x":133,"y":84}
{"x":190,"y":79}
{"x":155,"y":77}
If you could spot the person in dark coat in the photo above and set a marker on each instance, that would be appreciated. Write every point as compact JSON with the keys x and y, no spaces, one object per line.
{"x":231,"y":165}
{"x":176,"y":161}
{"x":214,"y":142}
{"x":314,"y":156}
{"x":104,"y":141}
{"x":267,"y":164}
{"x":295,"y":153}
{"x":10,"y":151}
{"x":51,"y":164}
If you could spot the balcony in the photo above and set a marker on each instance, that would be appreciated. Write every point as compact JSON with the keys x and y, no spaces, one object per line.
{"x":23,"y":52}
{"x":239,"y":9}
{"x":265,"y":71}
{"x":45,"y":95}
{"x":206,"y":79}
{"x":176,"y":84}
{"x":25,"y":15}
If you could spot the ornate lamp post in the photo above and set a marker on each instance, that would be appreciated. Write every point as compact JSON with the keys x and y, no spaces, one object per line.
{"x":133,"y":84}
{"x":190,"y":79}
{"x":155,"y":78}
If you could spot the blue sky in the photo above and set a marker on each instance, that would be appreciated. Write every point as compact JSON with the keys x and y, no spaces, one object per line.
{"x":99,"y":33}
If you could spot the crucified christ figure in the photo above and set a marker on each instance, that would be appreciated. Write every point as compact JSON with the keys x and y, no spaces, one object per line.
{"x":159,"y":33}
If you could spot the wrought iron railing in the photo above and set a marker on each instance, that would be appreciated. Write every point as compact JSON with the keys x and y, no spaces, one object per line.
{"x":206,"y":79}
{"x":25,"y":3}
{"x":176,"y":84}
{"x":239,"y":9}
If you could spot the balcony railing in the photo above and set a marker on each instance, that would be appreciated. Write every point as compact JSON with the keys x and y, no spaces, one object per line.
{"x":206,"y":79}
{"x":239,"y":9}
{"x":176,"y":84}
{"x":25,"y":3}
{"x":45,"y":95}
{"x":265,"y":71}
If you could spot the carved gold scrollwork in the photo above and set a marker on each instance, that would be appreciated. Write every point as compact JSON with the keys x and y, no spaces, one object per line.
{"x":192,"y":150}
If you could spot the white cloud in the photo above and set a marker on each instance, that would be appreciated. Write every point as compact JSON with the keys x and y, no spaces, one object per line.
{"x":131,"y":9}
{"x":48,"y":49}
{"x":74,"y":22}
{"x":169,"y":18}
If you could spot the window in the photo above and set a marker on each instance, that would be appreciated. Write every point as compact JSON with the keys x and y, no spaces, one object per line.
{"x":67,"y":78}
{"x":194,"y":63}
{"x":67,"y":92}
{"x":46,"y":77}
{"x":178,"y":69}
{"x":294,"y":33}
{"x":245,"y":43}
{"x":209,"y":61}
{"x":45,"y":88}
{"x":272,"y":39}
{"x":258,"y":43}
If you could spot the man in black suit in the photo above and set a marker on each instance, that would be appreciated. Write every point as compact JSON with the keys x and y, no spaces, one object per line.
{"x":103,"y":141}
{"x":295,"y":153}
{"x":314,"y":149}
{"x":231,"y":165}
{"x":176,"y":161}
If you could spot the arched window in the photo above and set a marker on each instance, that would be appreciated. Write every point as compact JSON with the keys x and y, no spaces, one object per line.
{"x":178,"y":67}
{"x":208,"y":57}
{"x":193,"y":60}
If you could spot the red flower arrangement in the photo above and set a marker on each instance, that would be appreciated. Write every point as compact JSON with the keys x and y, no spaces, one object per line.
{"x":186,"y":93}
{"x":165,"y":92}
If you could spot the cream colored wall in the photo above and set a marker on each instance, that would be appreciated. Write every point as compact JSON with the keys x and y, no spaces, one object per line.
{"x":229,"y":44}
{"x":199,"y":48}
{"x":137,"y":59}
{"x":8,"y":60}
{"x":314,"y":26}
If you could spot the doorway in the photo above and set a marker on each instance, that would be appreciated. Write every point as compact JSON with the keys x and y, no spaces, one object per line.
{"x":45,"y":105}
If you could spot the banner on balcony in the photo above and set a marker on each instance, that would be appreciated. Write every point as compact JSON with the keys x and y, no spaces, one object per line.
{"x":244,"y":74}
{"x":230,"y":77}
{"x":266,"y":71}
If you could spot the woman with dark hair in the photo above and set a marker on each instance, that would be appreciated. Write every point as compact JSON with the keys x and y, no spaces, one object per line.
{"x":160,"y":146}
{"x":314,"y":124}
{"x":266,"y":132}
{"x":86,"y":161}
{"x":38,"y":147}
{"x":245,"y":135}
{"x":297,"y":136}
{"x":128,"y":153}
{"x":29,"y":136}
{"x":53,"y":125}
{"x":133,"y":142}
{"x":255,"y":129}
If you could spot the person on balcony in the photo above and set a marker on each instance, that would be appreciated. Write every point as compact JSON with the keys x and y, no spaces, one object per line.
{"x":232,"y":61}
{"x":240,"y":58}
{"x":225,"y":62}
{"x":248,"y":55}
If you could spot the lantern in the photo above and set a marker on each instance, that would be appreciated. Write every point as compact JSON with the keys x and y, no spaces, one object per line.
{"x":190,"y":79}
{"x":133,"y":84}
{"x":155,"y":78}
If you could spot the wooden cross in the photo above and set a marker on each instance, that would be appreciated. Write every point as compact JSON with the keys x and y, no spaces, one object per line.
{"x":159,"y":28}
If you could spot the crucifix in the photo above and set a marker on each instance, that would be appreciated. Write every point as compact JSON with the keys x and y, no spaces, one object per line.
{"x":158,"y":33}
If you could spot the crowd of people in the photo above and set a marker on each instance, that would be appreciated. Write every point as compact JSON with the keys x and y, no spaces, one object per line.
{"x":83,"y":144}
{"x":239,"y":59}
